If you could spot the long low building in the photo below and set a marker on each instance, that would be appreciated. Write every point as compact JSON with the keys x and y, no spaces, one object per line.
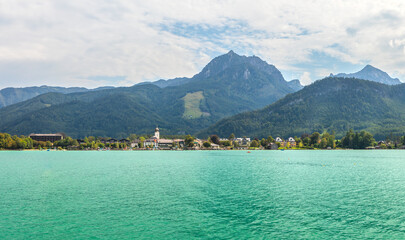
{"x":52,"y":137}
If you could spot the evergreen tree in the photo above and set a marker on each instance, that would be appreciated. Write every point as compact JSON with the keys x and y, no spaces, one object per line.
{"x":215,"y":139}
{"x":270,"y":139}
{"x":263,"y":142}
{"x":306,"y":141}
{"x":207,"y":144}
{"x":357,"y":140}
{"x":315,"y":137}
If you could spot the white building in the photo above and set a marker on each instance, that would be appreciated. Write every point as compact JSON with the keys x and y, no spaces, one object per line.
{"x":243,"y":141}
{"x":161,"y":143}
{"x":153,"y":141}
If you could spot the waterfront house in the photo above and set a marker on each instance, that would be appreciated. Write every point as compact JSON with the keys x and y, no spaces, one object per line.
{"x":135,"y":143}
{"x":179,"y":142}
{"x":52,"y":137}
{"x":111,"y":141}
{"x":291,"y":141}
{"x":198,"y":143}
{"x":165,"y":144}
{"x":126,"y":141}
{"x":243,"y":142}
{"x":214,"y":146}
{"x":273,"y":146}
{"x":281,"y":142}
{"x":151,"y":142}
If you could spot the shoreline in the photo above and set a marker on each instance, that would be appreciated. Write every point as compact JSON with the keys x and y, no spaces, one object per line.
{"x":145,"y":150}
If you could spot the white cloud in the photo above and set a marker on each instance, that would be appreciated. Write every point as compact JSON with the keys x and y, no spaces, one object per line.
{"x":305,"y":78}
{"x":61,"y":42}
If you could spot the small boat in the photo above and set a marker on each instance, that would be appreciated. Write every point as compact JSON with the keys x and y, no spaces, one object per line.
{"x":248,"y":152}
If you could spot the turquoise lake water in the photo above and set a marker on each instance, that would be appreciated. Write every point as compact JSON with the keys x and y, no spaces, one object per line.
{"x":203,"y":194}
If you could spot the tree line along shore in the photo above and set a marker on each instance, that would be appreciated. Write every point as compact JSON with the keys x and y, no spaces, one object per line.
{"x":352,"y":140}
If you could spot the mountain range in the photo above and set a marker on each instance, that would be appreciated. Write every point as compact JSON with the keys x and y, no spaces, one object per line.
{"x":372,"y":74}
{"x":228,"y":85}
{"x":331,"y":104}
{"x":223,"y":98}
{"x":9,"y":96}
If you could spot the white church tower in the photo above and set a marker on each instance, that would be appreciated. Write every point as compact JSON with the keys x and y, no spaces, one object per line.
{"x":157,"y":134}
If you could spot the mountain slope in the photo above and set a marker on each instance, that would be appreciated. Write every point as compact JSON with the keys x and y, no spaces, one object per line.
{"x":9,"y":96}
{"x":333,"y":104}
{"x":371,"y":73}
{"x":228,"y":85}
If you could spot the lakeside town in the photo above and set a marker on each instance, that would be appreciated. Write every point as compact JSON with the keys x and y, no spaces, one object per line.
{"x":59,"y":141}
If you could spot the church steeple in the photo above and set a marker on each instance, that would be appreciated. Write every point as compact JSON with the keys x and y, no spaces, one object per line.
{"x":157,"y":134}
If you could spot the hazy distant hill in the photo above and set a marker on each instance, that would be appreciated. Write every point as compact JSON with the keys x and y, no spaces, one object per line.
{"x":9,"y":96}
{"x":371,"y":73}
{"x":334,"y":104}
{"x":168,"y":83}
{"x":228,"y":85}
{"x":295,"y":85}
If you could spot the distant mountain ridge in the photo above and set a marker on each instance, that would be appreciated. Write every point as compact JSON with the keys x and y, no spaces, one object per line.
{"x":9,"y":96}
{"x":295,"y":84}
{"x":331,"y":104}
{"x":168,"y":83}
{"x":372,"y":74}
{"x":228,"y":85}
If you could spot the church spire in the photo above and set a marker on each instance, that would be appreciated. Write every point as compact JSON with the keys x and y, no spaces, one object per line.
{"x":157,"y":134}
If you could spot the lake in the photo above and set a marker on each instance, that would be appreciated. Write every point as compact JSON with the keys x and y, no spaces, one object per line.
{"x":202,"y":194}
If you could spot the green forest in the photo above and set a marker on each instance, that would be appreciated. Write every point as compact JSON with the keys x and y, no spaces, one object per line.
{"x":331,"y":104}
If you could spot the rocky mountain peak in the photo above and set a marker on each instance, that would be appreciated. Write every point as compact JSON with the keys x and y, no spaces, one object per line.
{"x":371,"y":73}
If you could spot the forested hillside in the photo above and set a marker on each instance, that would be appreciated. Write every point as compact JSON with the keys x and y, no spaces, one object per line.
{"x":331,"y":104}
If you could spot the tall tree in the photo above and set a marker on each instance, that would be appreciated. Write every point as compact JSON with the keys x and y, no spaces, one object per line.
{"x":306,"y":141}
{"x":231,"y":137}
{"x":270,"y":139}
{"x":215,"y":139}
{"x":315,"y":137}
{"x":189,"y":141}
{"x":263,"y":142}
{"x":141,"y":142}
{"x":254,"y":144}
{"x":207,"y":144}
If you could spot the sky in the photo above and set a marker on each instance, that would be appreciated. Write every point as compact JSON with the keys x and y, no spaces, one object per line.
{"x":121,"y":42}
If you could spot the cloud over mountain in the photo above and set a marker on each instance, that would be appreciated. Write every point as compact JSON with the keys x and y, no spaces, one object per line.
{"x":68,"y":43}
